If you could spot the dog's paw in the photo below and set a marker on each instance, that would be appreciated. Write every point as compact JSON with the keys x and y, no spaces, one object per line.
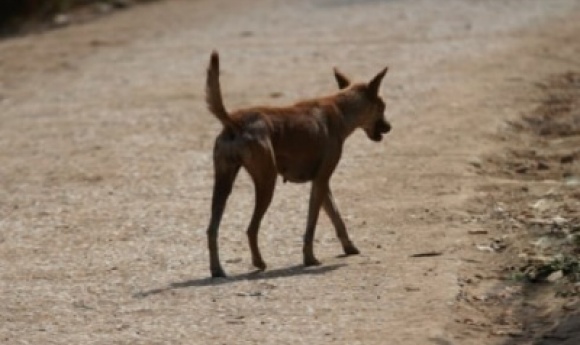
{"x":259,"y":264}
{"x":351,"y":250}
{"x":311,"y":262}
{"x":218,"y":273}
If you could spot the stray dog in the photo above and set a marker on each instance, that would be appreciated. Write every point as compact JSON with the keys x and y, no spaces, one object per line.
{"x":302,"y":143}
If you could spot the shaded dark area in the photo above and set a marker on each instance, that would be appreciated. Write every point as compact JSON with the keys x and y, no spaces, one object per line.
{"x":23,"y":16}
{"x":256,"y":275}
{"x":565,"y":332}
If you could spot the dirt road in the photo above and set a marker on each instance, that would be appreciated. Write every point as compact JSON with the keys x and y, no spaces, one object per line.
{"x":105,"y":168}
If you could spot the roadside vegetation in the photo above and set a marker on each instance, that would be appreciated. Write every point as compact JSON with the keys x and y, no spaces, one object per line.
{"x":531,"y":211}
{"x":545,"y":209}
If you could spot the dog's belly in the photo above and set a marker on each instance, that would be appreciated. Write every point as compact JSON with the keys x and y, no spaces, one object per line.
{"x":297,"y":172}
{"x":296,"y":177}
{"x":299,"y":153}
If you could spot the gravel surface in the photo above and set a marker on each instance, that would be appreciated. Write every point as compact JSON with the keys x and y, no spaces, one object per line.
{"x":105,"y":168}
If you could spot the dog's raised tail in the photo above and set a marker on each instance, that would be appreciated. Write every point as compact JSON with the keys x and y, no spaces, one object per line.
{"x":213,"y":93}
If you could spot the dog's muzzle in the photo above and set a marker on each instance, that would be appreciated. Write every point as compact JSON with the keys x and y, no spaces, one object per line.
{"x":379,"y":128}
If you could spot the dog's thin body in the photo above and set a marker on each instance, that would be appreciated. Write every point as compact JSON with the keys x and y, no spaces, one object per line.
{"x":302,"y":143}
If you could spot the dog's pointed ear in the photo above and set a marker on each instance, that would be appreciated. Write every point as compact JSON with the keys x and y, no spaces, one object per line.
{"x":375,"y":83}
{"x":341,"y":79}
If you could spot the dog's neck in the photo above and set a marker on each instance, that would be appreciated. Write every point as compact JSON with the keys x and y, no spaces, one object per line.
{"x":352,"y":107}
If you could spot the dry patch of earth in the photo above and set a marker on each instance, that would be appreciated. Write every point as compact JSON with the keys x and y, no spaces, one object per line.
{"x":530,"y":216}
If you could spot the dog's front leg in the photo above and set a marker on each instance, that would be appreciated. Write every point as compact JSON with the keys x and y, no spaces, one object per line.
{"x":317,"y":194}
{"x":332,"y":211}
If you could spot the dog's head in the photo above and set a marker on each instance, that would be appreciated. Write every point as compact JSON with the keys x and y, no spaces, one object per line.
{"x":371,"y":113}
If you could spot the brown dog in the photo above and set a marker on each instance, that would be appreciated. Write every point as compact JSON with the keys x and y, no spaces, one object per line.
{"x":302,"y":142}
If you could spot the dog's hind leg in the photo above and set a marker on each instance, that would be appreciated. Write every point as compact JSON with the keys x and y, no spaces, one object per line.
{"x":225,"y":175}
{"x":261,"y":166}
{"x":332,"y":211}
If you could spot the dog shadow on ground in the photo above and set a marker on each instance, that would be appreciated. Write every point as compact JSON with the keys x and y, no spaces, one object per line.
{"x":254,"y":275}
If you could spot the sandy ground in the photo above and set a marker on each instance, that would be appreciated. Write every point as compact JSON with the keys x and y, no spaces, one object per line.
{"x":105,"y":169}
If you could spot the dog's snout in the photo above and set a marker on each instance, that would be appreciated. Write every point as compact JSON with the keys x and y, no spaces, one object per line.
{"x":387,"y":127}
{"x":384,"y":127}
